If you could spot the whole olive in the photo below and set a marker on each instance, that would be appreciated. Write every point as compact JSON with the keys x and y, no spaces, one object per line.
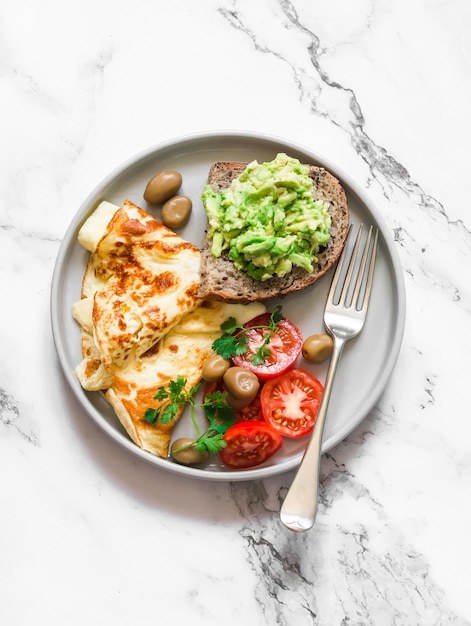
{"x":318,"y":348}
{"x":241,"y":383}
{"x":215,"y":368}
{"x":162,"y":186}
{"x":183,"y":451}
{"x":176,"y":211}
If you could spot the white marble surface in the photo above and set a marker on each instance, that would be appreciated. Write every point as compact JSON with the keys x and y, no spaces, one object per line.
{"x":91,"y":535}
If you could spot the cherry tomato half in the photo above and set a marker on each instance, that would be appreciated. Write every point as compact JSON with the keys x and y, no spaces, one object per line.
{"x":285,"y":346}
{"x":249,"y":444}
{"x":290,"y":402}
{"x":251,"y":412}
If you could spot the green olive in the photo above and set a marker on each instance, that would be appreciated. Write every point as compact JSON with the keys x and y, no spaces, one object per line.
{"x":183,"y":451}
{"x":215,"y":368}
{"x":318,"y":348}
{"x":162,"y":186}
{"x":241,"y":383}
{"x":237,"y":403}
{"x":176,"y":211}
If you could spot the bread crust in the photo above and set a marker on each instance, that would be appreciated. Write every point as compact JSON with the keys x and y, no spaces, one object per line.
{"x":221,"y":280}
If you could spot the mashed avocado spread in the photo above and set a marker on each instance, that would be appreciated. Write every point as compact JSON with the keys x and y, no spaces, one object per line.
{"x":267,"y":219}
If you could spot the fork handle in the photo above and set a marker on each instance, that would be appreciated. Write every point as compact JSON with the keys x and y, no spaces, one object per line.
{"x":299,"y":508}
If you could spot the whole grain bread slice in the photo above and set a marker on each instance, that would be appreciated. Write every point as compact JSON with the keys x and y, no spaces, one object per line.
{"x":221,"y":280}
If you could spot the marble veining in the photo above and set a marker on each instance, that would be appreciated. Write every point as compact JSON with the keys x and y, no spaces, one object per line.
{"x":383,"y":90}
{"x":12,"y":419}
{"x":327,"y":97}
{"x":366,"y":578}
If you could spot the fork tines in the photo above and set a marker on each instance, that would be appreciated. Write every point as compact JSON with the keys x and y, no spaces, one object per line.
{"x":356,"y":294}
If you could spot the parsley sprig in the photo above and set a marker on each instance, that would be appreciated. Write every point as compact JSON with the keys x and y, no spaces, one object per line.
{"x":235,"y":341}
{"x":177,"y":397}
{"x":220,"y":415}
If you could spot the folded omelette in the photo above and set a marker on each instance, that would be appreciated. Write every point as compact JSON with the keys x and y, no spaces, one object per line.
{"x":142,"y":324}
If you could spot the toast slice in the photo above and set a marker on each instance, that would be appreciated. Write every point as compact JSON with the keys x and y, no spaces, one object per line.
{"x":221,"y":280}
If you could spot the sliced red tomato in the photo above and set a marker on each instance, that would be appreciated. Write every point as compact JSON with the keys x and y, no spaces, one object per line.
{"x":285,"y":346}
{"x":291,"y":401}
{"x":251,"y":412}
{"x":249,"y":444}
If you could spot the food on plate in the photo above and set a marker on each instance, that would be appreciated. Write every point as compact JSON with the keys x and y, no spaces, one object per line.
{"x":318,"y":348}
{"x":284,"y":405}
{"x":267,"y":345}
{"x":142,"y":323}
{"x":184,"y":451}
{"x":176,"y":211}
{"x":176,"y":394}
{"x":241,"y":384}
{"x":273,"y":228}
{"x":290,"y":402}
{"x":158,"y":316}
{"x":140,"y":279}
{"x":252,"y":411}
{"x":181,"y":352}
{"x":162,"y":186}
{"x":162,"y":189}
{"x":94,"y":227}
{"x":249,"y":444}
{"x":245,"y":412}
{"x":215,"y":367}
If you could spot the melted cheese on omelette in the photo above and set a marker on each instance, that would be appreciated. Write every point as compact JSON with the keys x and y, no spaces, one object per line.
{"x":142,"y":325}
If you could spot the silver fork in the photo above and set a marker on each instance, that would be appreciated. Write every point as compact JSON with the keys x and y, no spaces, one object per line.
{"x":344,"y":317}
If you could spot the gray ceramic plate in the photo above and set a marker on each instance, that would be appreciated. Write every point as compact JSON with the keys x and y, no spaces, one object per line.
{"x":367,"y":361}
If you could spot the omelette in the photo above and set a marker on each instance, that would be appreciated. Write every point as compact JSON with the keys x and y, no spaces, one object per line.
{"x":142,"y":324}
{"x":143,"y":277}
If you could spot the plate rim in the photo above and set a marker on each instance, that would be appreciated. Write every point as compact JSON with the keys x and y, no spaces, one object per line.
{"x":212,"y":136}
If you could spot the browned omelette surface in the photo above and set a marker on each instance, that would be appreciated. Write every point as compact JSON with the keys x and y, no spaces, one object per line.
{"x":144,"y":278}
{"x":142,"y":323}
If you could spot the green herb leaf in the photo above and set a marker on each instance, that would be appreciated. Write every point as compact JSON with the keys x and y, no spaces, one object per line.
{"x":218,"y":412}
{"x":176,"y":387}
{"x":230,"y":325}
{"x":223,"y":420}
{"x":216,"y":398}
{"x":211,"y":443}
{"x":169,"y":413}
{"x":162,"y":394}
{"x":228,"y":346}
{"x":220,"y":415}
{"x":276,"y":317}
{"x":227,"y":415}
{"x":151,"y":416}
{"x":177,"y":396}
{"x":234,"y":341}
{"x":261,"y":355}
